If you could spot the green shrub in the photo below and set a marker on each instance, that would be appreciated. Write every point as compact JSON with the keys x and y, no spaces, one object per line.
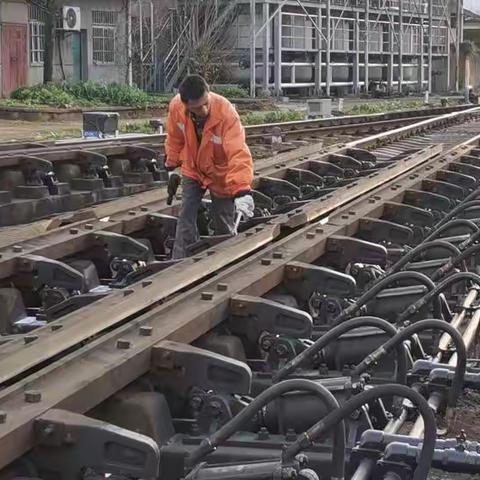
{"x":231,"y":91}
{"x":143,"y":127}
{"x":68,"y":94}
{"x":257,"y":118}
{"x":385,"y":107}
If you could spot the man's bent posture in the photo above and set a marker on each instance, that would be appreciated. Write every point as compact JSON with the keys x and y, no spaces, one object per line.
{"x":206,"y":138}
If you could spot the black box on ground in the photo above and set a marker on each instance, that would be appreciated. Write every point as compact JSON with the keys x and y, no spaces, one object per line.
{"x":100,"y":124}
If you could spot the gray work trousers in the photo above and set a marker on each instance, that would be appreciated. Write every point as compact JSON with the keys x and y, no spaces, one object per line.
{"x":223,"y":210}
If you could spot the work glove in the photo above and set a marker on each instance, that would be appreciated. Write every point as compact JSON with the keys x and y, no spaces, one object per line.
{"x":245,"y":205}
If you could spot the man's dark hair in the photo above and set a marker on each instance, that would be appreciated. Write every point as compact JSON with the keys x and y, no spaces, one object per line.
{"x":192,"y":88}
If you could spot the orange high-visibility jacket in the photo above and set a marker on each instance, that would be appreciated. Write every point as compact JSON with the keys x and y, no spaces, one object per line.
{"x":222,"y":162}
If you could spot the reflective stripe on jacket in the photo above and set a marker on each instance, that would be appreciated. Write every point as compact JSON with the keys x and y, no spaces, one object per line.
{"x":222,"y":162}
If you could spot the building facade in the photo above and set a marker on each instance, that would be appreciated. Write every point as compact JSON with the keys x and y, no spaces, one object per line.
{"x":95,"y":48}
{"x":344,"y":46}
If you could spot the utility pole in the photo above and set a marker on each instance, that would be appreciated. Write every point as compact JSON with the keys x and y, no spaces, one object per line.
{"x":253,"y":47}
{"x":129,"y":43}
{"x":458,"y":42}
{"x":50,"y":28}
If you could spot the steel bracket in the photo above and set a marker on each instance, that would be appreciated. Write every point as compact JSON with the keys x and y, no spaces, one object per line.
{"x":52,"y":273}
{"x":341,"y":251}
{"x":66,"y":444}
{"x":303,"y":280}
{"x":121,"y":246}
{"x":277,"y":187}
{"x":449,"y":190}
{"x":427,"y":200}
{"x":184,"y":366}
{"x":373,"y":229}
{"x":252,"y":316}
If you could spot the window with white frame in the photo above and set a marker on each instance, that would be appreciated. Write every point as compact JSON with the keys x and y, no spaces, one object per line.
{"x":104,"y":25}
{"x":37,"y":34}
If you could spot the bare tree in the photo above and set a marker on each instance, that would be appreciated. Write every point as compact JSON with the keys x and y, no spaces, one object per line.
{"x":206,"y":32}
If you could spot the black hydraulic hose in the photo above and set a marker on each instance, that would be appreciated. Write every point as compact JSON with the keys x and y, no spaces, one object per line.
{"x":453,"y":262}
{"x":305,"y":440}
{"x":409,"y":256}
{"x":467,"y":203}
{"x":443,"y":285}
{"x":209,"y":444}
{"x":339,"y":330}
{"x":401,"y":336}
{"x":451,"y":224}
{"x":469,"y":241}
{"x":383,"y":283}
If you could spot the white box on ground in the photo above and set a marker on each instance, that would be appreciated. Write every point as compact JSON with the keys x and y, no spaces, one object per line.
{"x":319,"y":107}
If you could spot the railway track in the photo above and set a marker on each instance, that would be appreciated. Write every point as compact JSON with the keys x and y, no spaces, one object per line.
{"x":68,"y":270}
{"x":268,"y":305}
{"x":39,"y":180}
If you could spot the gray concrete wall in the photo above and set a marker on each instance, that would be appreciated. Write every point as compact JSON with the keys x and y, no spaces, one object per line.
{"x":109,"y":73}
{"x":16,"y":11}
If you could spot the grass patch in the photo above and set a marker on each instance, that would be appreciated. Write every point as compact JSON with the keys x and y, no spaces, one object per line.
{"x":83,"y":94}
{"x":257,"y":118}
{"x":390,"y":106}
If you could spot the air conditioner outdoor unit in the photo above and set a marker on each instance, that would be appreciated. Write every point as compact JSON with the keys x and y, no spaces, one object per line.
{"x":71,"y":18}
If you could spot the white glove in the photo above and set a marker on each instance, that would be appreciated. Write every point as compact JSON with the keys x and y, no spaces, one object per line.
{"x":245,"y":206}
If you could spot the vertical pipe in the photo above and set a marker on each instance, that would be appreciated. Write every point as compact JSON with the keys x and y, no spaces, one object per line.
{"x":140,"y":16}
{"x":356,"y":60}
{"x":421,"y":59}
{"x":449,"y":59}
{"x":278,"y":53}
{"x":329,"y":46}
{"x":129,"y":43}
{"x":253,"y":48}
{"x":266,"y":46}
{"x":400,"y":46}
{"x":153,"y":62}
{"x":367,"y":39}
{"x":318,"y":55}
{"x":458,"y":42}
{"x":390,"y":56}
{"x":430,"y":51}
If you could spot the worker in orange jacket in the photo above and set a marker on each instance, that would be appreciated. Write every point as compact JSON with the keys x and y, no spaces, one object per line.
{"x":206,"y":138}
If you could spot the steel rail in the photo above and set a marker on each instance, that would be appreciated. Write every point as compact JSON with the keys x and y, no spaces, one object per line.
{"x":82,"y":379}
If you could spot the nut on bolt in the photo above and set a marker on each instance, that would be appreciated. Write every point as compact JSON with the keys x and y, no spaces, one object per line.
{"x":3,"y":417}
{"x":146,"y":331}
{"x":206,"y":296}
{"x":123,"y":344}
{"x":33,"y":396}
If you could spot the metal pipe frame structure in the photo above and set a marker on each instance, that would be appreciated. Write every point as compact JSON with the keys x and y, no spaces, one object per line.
{"x":404,"y":44}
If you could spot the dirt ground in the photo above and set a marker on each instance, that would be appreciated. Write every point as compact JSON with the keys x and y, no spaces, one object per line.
{"x":17,"y":130}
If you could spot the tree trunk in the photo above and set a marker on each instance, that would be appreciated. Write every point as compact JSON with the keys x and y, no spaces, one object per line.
{"x":50,"y":28}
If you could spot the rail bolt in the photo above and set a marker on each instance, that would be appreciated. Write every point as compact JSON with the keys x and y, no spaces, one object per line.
{"x":124,"y":344}
{"x":33,"y":396}
{"x":206,"y":296}
{"x":146,"y":331}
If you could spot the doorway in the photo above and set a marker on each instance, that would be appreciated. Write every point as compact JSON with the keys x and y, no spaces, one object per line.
{"x":14,"y":57}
